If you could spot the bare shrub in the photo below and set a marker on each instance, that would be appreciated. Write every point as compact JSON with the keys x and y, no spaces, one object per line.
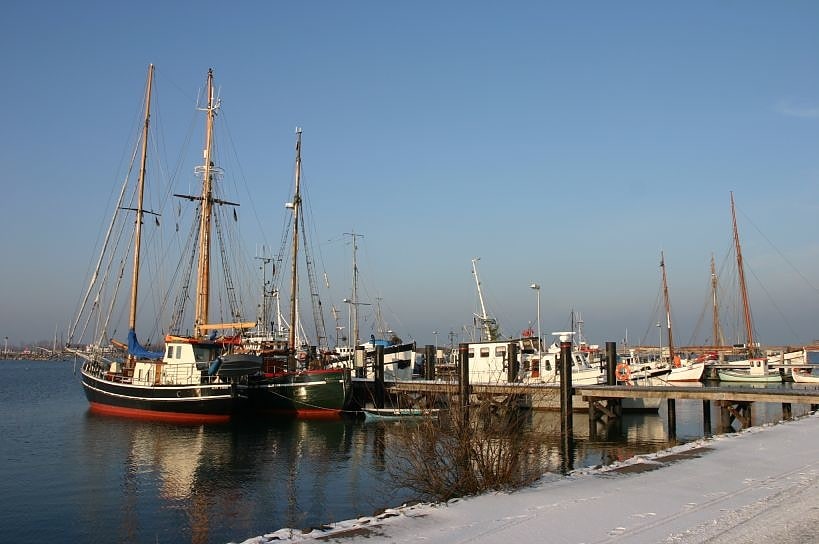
{"x":457,"y":452}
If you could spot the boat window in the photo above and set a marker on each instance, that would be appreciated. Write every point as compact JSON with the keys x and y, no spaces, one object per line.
{"x":170,"y":352}
{"x":484,"y":352}
{"x":202,"y":354}
{"x":178,"y":352}
{"x":500,"y":351}
{"x":471,"y":353}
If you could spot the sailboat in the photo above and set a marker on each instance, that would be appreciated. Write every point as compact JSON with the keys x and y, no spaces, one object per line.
{"x":688,"y":371}
{"x":193,"y":377}
{"x":757,"y":370}
{"x":289,"y":382}
{"x":399,"y":357}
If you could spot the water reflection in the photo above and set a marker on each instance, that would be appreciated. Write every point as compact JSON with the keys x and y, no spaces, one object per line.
{"x":215,"y":483}
{"x":149,"y":482}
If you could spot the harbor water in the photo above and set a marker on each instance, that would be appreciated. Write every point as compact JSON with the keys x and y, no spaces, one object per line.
{"x":70,"y":475}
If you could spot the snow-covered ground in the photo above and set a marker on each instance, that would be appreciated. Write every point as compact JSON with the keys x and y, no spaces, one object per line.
{"x":760,"y":485}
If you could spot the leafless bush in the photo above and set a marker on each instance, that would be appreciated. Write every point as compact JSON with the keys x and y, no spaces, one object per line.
{"x":457,"y":452}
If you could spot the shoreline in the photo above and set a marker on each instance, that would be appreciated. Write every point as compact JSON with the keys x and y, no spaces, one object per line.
{"x":760,"y":483}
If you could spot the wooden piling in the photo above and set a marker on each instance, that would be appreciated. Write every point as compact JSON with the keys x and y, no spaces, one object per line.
{"x":566,"y":388}
{"x":512,"y":364}
{"x":429,"y":362}
{"x":379,"y":377}
{"x":463,"y":377}
{"x":611,"y":363}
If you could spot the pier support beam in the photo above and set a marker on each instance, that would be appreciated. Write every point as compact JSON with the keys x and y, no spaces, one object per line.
{"x":786,"y":411}
{"x":706,"y":418}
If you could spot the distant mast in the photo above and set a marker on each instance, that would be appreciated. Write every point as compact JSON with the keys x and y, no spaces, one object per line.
{"x":717,"y":332}
{"x":746,"y":307}
{"x":291,"y":339}
{"x":667,"y":310}
{"x":139,"y":208}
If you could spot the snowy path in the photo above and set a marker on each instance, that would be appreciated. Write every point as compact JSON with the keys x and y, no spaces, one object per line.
{"x":761,"y":485}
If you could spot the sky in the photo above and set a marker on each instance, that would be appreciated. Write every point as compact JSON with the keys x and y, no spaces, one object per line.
{"x":563,"y":144}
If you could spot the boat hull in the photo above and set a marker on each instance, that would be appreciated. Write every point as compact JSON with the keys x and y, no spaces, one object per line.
{"x":798,"y":377}
{"x":691,"y":373}
{"x":195,"y":403}
{"x":744,"y":376}
{"x":307,"y":393}
{"x":394,"y":414}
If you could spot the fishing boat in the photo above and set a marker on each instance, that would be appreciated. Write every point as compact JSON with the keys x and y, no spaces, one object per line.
{"x":804,"y":376}
{"x":194,"y":377}
{"x":293,"y":381}
{"x":758,"y":372}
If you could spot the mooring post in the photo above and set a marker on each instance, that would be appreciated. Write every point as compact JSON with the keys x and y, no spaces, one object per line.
{"x":672,"y":419}
{"x":566,"y":387}
{"x":463,"y":377}
{"x":611,"y":363}
{"x":379,"y":376}
{"x":359,"y":358}
{"x":429,"y":362}
{"x":786,"y":411}
{"x":706,"y":418}
{"x":512,"y":365}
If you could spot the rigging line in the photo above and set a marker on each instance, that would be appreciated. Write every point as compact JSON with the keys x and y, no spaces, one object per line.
{"x":241,"y":175}
{"x":775,"y":305}
{"x":784,"y":258}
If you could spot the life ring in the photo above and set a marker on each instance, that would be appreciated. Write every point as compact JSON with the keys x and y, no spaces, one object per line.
{"x":622,"y":372}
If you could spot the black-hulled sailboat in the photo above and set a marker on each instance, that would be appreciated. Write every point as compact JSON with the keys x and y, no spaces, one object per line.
{"x":294,"y":380}
{"x":194,"y":378}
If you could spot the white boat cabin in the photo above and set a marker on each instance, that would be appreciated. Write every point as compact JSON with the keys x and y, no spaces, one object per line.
{"x":181,"y":364}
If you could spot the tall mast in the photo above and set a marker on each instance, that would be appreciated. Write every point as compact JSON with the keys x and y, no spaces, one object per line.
{"x":139,"y":211}
{"x":717,"y":330}
{"x":746,"y":307}
{"x":203,"y":276}
{"x":354,"y":303}
{"x":291,"y":339}
{"x":667,"y":309}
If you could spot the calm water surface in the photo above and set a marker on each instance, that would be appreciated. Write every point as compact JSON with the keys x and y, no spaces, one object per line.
{"x":69,"y":475}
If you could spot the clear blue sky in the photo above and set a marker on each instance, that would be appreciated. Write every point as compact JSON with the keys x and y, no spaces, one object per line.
{"x":562,"y":143}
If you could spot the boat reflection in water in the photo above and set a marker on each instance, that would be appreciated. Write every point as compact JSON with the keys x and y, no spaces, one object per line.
{"x":150,"y":481}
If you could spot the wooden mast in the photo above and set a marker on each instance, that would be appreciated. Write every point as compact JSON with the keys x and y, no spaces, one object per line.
{"x":203,"y":269}
{"x":291,"y":339}
{"x":667,"y":312}
{"x":746,"y":307}
{"x":139,"y":210}
{"x":717,"y":330}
